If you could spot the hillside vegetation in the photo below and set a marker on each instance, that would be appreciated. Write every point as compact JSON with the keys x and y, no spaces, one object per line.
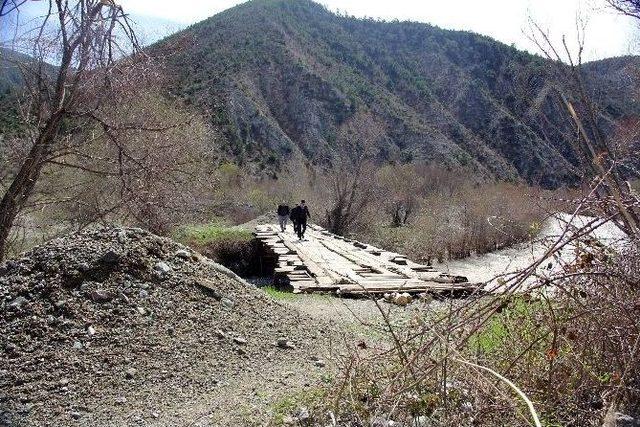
{"x":290,"y":82}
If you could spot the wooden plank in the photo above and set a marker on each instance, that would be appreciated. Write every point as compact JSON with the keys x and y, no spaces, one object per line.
{"x":351,"y":255}
{"x":331,"y":263}
{"x":322,"y":275}
{"x":408,"y":289}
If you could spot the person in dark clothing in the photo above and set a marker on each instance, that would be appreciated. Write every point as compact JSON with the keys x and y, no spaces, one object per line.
{"x":299,"y":216}
{"x":295,"y":213}
{"x":283,"y":215}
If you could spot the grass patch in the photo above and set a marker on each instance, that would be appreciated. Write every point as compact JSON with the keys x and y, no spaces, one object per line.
{"x":278,"y":294}
{"x":233,"y":247}
{"x":206,"y":234}
{"x":518,"y":322}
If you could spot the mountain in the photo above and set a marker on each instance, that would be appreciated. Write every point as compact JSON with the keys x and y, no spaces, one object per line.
{"x":289,"y":83}
{"x":10,"y":81}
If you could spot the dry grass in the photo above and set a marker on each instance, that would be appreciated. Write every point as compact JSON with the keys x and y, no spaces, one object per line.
{"x":471,"y":219}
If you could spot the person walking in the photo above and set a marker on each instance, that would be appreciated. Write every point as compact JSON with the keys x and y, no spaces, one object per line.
{"x":299,"y":216}
{"x":294,"y":215}
{"x":283,"y":215}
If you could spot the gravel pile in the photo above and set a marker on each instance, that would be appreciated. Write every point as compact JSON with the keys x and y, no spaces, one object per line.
{"x":116,"y":321}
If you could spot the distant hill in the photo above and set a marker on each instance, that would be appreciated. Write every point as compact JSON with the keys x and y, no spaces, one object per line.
{"x":10,"y":81}
{"x":289,"y":81}
{"x":9,"y":75}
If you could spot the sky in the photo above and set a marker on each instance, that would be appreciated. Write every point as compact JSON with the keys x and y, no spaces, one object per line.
{"x":607,"y":33}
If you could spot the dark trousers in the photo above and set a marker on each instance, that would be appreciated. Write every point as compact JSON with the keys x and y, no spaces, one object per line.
{"x":300,"y":228}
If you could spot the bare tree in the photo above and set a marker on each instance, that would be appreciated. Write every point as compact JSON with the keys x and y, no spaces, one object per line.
{"x":351,"y":192}
{"x":351,"y":180}
{"x":399,"y":186}
{"x":96,"y":56}
{"x":626,"y":7}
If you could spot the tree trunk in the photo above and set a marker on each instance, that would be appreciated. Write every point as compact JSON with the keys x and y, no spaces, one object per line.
{"x":25,"y":181}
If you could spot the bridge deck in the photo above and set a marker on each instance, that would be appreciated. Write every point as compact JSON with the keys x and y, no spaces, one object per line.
{"x":327,"y":262}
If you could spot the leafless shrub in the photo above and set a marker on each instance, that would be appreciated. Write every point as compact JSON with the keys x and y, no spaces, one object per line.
{"x":571,"y":352}
{"x":99,"y":141}
{"x":627,"y":7}
{"x":399,"y":189}
{"x":454,"y":223}
{"x":349,"y":187}
{"x":87,"y":40}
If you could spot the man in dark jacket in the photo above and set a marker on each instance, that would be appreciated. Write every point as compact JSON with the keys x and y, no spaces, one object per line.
{"x":283,"y":215}
{"x":299,"y":216}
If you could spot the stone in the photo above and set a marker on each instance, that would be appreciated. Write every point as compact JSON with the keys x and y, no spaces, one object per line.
{"x":219,"y":334}
{"x":421,"y":421}
{"x":284,"y":343}
{"x":289,"y":420}
{"x":122,"y":236}
{"x":77,"y":345}
{"x":18,"y":302}
{"x":303,"y":415}
{"x":182,"y":254}
{"x":618,"y":419}
{"x":162,"y":268}
{"x":75,"y":415}
{"x":381,"y":422}
{"x":239,"y":340}
{"x":320,"y":363}
{"x":402,"y":299}
{"x":11,"y":348}
{"x":100,"y":296}
{"x":121,"y":400}
{"x":91,"y":330}
{"x":130,"y":373}
{"x":143,"y":294}
{"x":110,"y":257}
{"x":141,"y":311}
{"x":226,"y":302}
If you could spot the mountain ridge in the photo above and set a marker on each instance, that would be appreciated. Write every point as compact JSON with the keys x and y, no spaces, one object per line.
{"x":289,"y":83}
{"x":283,"y":78}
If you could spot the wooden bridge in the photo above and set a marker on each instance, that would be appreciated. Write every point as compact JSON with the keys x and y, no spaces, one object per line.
{"x":325,"y":262}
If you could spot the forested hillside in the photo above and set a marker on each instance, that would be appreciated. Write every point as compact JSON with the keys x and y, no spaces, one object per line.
{"x":289,"y":81}
{"x":10,"y":80}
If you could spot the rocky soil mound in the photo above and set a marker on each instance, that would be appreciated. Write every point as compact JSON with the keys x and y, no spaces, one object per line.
{"x":120,"y":324}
